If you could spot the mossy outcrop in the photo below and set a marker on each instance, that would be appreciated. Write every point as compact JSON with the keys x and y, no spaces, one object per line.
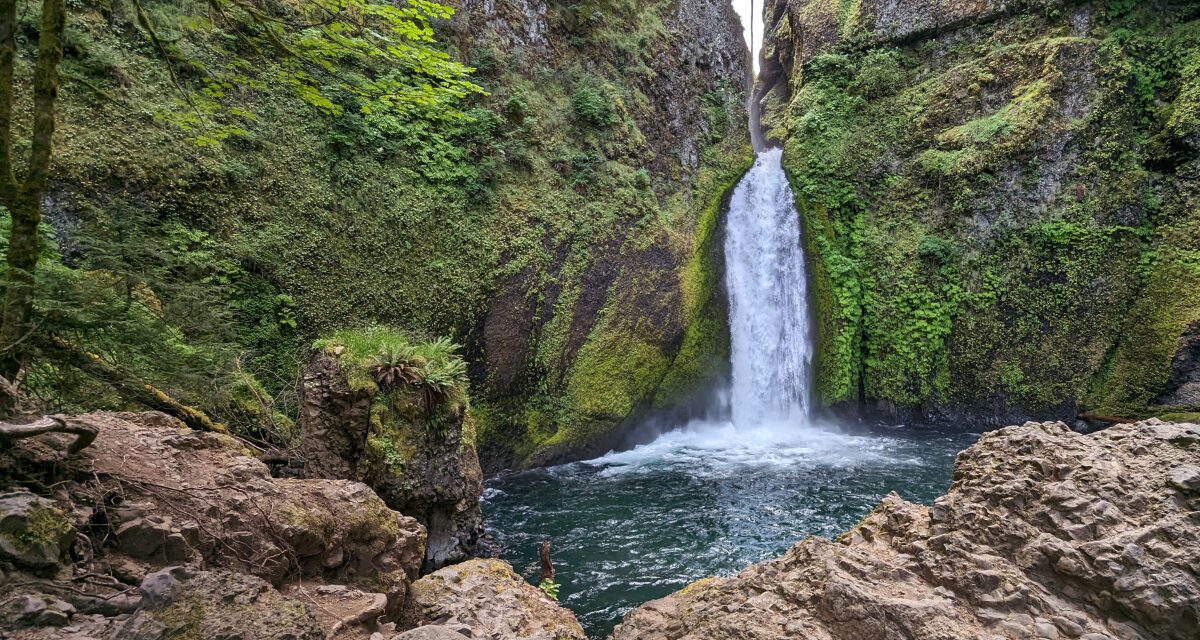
{"x":1000,"y":202}
{"x":416,"y":450}
{"x":552,"y":231}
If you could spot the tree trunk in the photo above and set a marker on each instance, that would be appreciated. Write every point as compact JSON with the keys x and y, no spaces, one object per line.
{"x":23,"y":198}
{"x":24,"y":245}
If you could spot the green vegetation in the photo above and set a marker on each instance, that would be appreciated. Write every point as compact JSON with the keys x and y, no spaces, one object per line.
{"x":382,"y":360}
{"x":215,"y":208}
{"x":999,"y":219}
{"x":550,"y":588}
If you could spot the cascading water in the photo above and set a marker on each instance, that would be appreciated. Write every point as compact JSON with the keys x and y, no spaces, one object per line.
{"x":711,"y":497}
{"x":771,"y":345}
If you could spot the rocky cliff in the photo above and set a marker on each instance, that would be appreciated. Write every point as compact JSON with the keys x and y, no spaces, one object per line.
{"x":1044,"y":533}
{"x":416,"y":451}
{"x":999,"y":201}
{"x":561,"y":230}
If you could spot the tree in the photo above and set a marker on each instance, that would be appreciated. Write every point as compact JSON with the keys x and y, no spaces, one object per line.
{"x":374,"y":54}
{"x":22,"y":196}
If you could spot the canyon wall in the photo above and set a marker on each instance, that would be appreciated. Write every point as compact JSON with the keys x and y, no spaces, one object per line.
{"x":561,"y":231}
{"x":1000,"y":202}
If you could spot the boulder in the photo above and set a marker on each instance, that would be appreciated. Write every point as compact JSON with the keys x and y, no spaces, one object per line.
{"x":1045,"y":533}
{"x":486,"y":599}
{"x":182,"y":603}
{"x":182,"y":496}
{"x":34,"y":533}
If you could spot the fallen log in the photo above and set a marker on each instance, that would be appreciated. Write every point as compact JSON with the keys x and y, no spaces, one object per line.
{"x":129,"y":387}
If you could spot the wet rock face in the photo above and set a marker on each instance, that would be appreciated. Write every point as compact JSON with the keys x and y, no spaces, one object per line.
{"x":1183,"y":386}
{"x":428,"y":469}
{"x":484,"y":599}
{"x":1045,"y":533}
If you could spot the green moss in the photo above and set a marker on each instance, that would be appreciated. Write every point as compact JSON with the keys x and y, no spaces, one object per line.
{"x":704,"y":351}
{"x":1193,"y":418}
{"x":183,"y":619}
{"x":954,"y":259}
{"x":316,"y":521}
{"x":1139,"y":367}
{"x":45,"y":527}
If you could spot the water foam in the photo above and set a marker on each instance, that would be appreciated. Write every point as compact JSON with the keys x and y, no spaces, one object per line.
{"x":721,"y":449}
{"x":770,"y":335}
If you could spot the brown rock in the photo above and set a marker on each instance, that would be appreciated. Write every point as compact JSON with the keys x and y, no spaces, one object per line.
{"x":484,"y":598}
{"x":1011,"y":551}
{"x":199,"y":497}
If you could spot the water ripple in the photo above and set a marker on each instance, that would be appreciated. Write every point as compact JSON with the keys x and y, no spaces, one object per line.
{"x":705,"y":500}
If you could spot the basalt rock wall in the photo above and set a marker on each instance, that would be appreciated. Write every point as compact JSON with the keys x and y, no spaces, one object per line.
{"x":999,"y":201}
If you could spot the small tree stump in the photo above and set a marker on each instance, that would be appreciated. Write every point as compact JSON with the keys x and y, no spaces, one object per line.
{"x":547,"y":572}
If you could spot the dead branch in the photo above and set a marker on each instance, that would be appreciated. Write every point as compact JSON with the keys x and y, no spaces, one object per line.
{"x":84,"y":434}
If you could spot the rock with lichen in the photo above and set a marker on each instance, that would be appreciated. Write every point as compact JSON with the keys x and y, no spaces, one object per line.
{"x":1044,"y":533}
{"x":34,"y":532}
{"x":484,"y":599}
{"x":393,"y":414}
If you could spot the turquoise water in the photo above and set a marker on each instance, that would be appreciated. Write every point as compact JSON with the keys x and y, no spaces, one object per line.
{"x":707,"y":500}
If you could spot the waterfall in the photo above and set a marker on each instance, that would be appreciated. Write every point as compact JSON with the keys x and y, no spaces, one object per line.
{"x":771,"y":338}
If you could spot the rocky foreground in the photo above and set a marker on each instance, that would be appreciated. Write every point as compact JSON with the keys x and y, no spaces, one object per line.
{"x":157,"y":532}
{"x":1044,"y":533}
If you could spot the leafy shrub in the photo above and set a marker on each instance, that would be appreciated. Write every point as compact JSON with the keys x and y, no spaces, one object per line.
{"x":936,"y":250}
{"x":879,"y":74}
{"x":550,"y":588}
{"x":594,"y":107}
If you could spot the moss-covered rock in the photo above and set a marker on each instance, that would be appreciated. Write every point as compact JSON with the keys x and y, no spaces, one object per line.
{"x":999,"y":199}
{"x":393,"y":412}
{"x":34,"y":533}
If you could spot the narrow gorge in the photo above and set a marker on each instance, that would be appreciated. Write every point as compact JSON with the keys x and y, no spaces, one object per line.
{"x":573,"y":320}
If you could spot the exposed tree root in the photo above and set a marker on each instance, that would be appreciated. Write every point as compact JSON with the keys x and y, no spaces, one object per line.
{"x":85,"y":434}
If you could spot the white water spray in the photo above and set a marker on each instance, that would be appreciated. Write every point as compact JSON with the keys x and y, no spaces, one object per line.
{"x":771,"y":345}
